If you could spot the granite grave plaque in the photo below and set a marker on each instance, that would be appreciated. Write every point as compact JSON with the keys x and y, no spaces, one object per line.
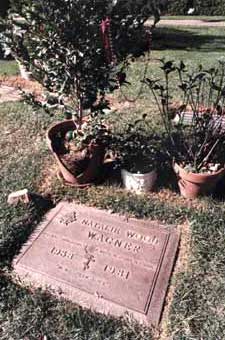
{"x":101,"y":261}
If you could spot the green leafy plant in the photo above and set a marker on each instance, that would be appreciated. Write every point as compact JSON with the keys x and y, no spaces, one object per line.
{"x":62,"y":43}
{"x":196,"y":138}
{"x":135,"y":148}
{"x":93,"y":131}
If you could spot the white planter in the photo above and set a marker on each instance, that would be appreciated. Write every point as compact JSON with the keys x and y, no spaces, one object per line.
{"x":139,"y":183}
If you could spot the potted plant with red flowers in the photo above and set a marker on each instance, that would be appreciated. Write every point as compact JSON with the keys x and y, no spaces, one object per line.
{"x":195,"y":127}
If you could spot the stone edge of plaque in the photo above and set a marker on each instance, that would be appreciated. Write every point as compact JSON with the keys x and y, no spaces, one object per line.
{"x":155,"y":309}
{"x":96,"y":303}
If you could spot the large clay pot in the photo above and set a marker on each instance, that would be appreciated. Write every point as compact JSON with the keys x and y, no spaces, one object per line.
{"x":192,"y":185}
{"x":139,"y":183}
{"x":95,"y":161}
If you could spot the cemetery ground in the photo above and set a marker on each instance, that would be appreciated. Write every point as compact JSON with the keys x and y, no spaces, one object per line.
{"x":196,"y":298}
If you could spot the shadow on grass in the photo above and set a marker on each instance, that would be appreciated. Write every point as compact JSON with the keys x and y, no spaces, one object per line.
{"x":219,"y":192}
{"x":39,"y":315}
{"x":167,"y":178}
{"x":18,"y":232}
{"x":213,"y":20}
{"x":190,"y":39}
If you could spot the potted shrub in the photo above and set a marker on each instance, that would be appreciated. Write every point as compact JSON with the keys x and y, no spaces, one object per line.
{"x":137,"y":152}
{"x":68,"y":48}
{"x":79,"y":150}
{"x":194,"y":125}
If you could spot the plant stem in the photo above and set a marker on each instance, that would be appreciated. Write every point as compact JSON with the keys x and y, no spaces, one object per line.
{"x":206,"y":158}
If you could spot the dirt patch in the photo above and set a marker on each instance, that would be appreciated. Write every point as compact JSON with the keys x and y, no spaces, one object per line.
{"x":9,"y":94}
{"x":10,"y":91}
{"x":119,"y":104}
{"x":10,"y":88}
{"x":18,"y":82}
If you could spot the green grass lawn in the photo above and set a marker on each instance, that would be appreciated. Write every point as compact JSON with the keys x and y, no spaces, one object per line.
{"x":197,"y":309}
{"x":194,"y":45}
{"x":8,"y":68}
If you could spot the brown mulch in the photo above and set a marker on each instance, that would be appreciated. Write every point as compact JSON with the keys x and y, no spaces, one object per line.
{"x":10,"y":88}
{"x":18,"y":82}
{"x":9,"y":93}
{"x":14,"y":83}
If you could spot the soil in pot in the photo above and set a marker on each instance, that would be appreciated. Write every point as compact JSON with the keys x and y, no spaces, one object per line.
{"x":75,"y":160}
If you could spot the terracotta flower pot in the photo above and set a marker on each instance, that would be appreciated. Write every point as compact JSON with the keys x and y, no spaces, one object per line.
{"x":139,"y":183}
{"x":95,"y":158}
{"x":192,"y":185}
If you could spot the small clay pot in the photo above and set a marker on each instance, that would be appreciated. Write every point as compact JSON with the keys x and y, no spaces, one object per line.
{"x":139,"y":183}
{"x":95,"y":159}
{"x":193,"y":185}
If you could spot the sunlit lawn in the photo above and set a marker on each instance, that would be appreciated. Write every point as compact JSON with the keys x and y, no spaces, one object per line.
{"x":8,"y":68}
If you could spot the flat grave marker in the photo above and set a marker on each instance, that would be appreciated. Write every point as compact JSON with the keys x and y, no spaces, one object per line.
{"x":101,"y":261}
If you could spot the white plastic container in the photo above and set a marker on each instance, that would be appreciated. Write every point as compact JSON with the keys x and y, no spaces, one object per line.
{"x":139,"y":183}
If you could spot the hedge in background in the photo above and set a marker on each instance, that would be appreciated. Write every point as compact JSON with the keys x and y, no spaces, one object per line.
{"x":210,"y":7}
{"x":202,"y":7}
{"x":177,"y":7}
